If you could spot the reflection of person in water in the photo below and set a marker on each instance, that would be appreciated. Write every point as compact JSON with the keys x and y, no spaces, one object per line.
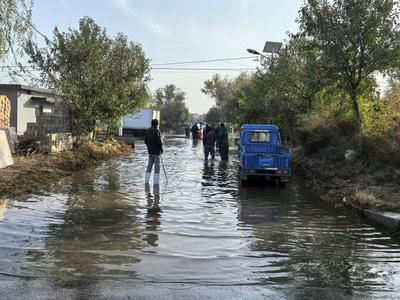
{"x":3,"y":208}
{"x":195,"y":143}
{"x":208,"y":170}
{"x":153,"y":215}
{"x":222,"y":174}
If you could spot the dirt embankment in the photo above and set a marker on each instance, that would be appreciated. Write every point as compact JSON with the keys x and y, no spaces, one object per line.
{"x":30,"y":174}
{"x":345,"y":183}
{"x":356,"y":182}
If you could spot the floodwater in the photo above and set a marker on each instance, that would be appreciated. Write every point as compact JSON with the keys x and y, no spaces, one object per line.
{"x":102,"y":235}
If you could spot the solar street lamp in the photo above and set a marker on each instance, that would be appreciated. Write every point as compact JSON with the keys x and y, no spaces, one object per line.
{"x":252,"y":51}
{"x":270,"y":48}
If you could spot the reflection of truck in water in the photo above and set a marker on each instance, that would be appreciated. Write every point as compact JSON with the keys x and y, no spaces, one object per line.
{"x":262,"y":153}
{"x":263,"y":204}
{"x":137,"y":124}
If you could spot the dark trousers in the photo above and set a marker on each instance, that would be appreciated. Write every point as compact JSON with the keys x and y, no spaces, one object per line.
{"x":209,"y":150}
{"x":224,"y":151}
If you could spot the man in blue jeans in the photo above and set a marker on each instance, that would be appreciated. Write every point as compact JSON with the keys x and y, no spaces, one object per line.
{"x":154,"y":148}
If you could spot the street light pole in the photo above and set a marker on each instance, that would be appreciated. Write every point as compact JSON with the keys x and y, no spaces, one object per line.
{"x":270,"y":47}
{"x":255,"y":52}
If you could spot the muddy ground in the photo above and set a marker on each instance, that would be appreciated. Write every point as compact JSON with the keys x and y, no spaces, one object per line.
{"x":35,"y":172}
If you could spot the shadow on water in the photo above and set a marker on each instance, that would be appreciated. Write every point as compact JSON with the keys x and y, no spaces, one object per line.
{"x":103,"y":232}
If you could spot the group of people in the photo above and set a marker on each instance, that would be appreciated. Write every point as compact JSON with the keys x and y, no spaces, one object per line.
{"x":212,"y":137}
{"x":216,"y":137}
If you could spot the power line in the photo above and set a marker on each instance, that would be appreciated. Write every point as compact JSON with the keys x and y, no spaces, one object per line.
{"x":16,"y":67}
{"x":203,"y":61}
{"x":27,"y":67}
{"x":204,"y":69}
{"x":31,"y":25}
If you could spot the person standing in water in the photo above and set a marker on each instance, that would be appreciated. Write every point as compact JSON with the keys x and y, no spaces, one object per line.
{"x":223,"y":142}
{"x":155,"y":149}
{"x":209,"y":139}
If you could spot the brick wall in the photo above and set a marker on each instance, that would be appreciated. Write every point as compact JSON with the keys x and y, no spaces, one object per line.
{"x":5,"y":110}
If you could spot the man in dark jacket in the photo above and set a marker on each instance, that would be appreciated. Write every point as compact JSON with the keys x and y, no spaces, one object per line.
{"x":209,"y":140}
{"x":154,"y":148}
{"x":194,"y":131}
{"x":223,"y":142}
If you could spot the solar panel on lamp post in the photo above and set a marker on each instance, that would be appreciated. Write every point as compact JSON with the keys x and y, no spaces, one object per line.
{"x":269,"y":47}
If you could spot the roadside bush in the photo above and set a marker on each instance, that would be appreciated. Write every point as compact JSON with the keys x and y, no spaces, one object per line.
{"x":320,"y":131}
{"x":381,"y":130}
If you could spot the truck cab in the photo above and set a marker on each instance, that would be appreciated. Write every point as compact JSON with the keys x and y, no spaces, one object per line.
{"x":261,"y":153}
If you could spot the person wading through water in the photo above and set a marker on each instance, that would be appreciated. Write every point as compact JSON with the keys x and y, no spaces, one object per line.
{"x":155,"y":149}
{"x":223,"y":142}
{"x":194,"y":131}
{"x":209,"y":140}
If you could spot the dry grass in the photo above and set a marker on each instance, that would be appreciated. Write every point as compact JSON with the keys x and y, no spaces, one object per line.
{"x":29,"y":174}
{"x":366,"y":199}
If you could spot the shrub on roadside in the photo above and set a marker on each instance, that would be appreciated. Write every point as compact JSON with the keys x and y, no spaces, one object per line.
{"x":365,"y":199}
{"x":381,"y":130}
{"x":321,"y":131}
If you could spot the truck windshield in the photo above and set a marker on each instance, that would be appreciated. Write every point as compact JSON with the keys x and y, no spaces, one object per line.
{"x":260,"y":136}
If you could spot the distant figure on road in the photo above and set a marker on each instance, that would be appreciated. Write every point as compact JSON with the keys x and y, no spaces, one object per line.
{"x":194,"y":131}
{"x":187,"y":131}
{"x":154,"y":148}
{"x":223,"y":142}
{"x":209,"y":140}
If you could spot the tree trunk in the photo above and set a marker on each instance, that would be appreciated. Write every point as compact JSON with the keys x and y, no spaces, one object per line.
{"x":356,"y":108}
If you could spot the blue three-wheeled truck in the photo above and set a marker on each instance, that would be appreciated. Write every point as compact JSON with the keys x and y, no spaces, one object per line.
{"x":261,"y":153}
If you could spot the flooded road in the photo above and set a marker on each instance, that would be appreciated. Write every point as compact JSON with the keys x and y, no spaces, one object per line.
{"x":101,"y":234}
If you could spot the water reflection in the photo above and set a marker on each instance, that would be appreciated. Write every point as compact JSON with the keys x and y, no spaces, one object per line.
{"x":153,"y":215}
{"x":3,"y":208}
{"x":208,"y":173}
{"x":98,"y":226}
{"x":319,"y":250}
{"x":195,"y":143}
{"x":101,"y":227}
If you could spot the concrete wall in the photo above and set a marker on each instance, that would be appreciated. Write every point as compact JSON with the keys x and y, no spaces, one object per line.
{"x":27,"y":111}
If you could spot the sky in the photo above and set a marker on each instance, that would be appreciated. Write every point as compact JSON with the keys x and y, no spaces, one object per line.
{"x":182,"y":30}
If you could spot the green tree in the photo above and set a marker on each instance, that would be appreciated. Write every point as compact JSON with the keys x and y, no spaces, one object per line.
{"x":295,"y":74}
{"x":101,"y":78}
{"x":173,"y":110}
{"x":218,"y":88}
{"x":127,"y":74}
{"x":214,"y":115}
{"x":237,"y":99}
{"x":353,"y":38}
{"x":15,"y":26}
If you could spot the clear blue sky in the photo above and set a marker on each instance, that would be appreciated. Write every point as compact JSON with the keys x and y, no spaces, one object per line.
{"x":181,"y":30}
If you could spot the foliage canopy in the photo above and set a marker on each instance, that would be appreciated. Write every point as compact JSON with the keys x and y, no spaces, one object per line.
{"x":101,"y":78}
